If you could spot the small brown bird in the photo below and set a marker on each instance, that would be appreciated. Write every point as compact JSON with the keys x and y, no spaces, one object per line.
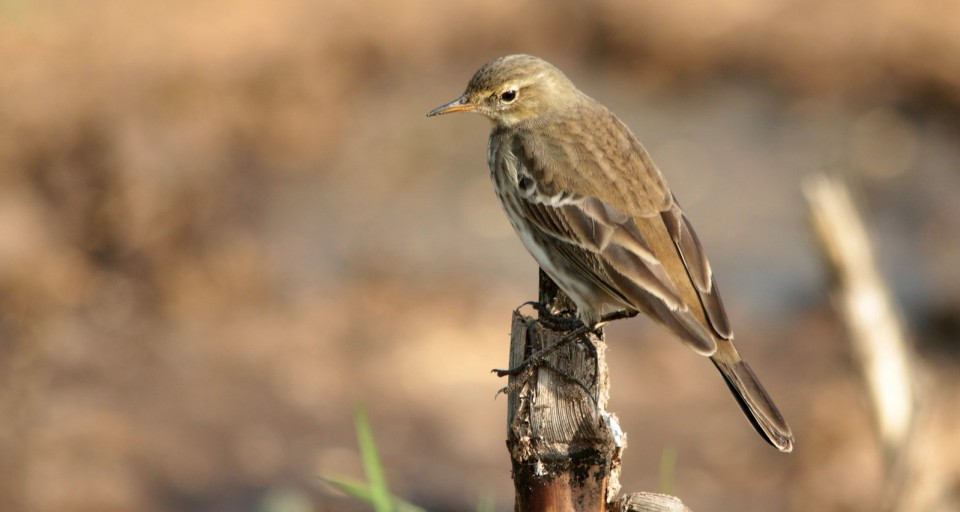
{"x":593,"y":210}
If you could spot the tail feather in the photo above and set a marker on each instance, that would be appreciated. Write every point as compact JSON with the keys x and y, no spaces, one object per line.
{"x":756,"y":404}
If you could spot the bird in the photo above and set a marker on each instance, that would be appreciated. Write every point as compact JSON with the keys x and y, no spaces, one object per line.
{"x":595,"y":212}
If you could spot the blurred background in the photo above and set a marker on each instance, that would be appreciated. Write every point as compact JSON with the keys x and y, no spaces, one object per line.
{"x":223,"y":224}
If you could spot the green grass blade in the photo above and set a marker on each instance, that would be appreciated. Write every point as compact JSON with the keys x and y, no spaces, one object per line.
{"x":363,"y":492}
{"x":668,"y":469}
{"x":350,"y":487}
{"x":377,"y":481}
{"x":486,"y":503}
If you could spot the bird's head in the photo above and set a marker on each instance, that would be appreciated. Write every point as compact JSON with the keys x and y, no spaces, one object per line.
{"x":513,"y":89}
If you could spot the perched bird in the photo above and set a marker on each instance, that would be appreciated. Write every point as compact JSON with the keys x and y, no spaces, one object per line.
{"x":594,"y":211}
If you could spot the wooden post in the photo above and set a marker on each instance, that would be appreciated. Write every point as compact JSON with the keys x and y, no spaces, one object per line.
{"x":564,"y":445}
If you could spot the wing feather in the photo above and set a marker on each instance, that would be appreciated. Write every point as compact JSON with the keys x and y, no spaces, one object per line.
{"x":698,"y":268}
{"x":586,"y":242}
{"x":598,"y":145}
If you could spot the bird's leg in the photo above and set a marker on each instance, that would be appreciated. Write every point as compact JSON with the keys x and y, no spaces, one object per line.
{"x":537,"y":359}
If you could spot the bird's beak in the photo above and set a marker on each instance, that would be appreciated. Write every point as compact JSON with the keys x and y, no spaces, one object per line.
{"x":461,"y":104}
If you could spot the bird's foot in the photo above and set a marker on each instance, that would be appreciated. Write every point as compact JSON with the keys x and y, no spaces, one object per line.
{"x":524,"y":370}
{"x":562,"y":321}
{"x":539,"y":358}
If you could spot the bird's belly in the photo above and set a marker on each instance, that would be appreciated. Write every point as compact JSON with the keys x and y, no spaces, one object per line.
{"x":592,"y":300}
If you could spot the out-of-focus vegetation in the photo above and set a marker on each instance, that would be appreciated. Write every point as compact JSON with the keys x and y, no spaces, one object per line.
{"x":374,"y":490}
{"x":222,"y":223}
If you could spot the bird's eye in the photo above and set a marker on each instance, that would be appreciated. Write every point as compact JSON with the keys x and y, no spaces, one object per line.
{"x":508,"y":96}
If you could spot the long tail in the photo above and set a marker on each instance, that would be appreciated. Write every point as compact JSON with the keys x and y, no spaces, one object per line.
{"x":753,"y":399}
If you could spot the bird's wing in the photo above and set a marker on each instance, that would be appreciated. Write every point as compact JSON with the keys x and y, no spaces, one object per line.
{"x":589,"y":234}
{"x":598,"y":238}
{"x":590,"y":152}
{"x":698,"y":268}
